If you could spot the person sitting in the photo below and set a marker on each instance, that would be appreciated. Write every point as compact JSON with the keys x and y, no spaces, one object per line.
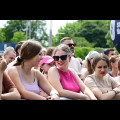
{"x":45,"y":64}
{"x":8,"y":91}
{"x":65,"y":80}
{"x":100,"y":82}
{"x":27,"y":79}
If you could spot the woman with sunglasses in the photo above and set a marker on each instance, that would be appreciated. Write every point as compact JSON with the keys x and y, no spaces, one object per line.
{"x":66,"y":81}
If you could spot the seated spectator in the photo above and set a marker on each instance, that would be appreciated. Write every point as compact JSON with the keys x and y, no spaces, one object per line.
{"x":9,"y":54}
{"x":45,"y":64}
{"x":8,"y":91}
{"x":29,"y":80}
{"x":114,"y":72}
{"x":87,"y":70}
{"x":65,"y":80}
{"x":102,"y":85}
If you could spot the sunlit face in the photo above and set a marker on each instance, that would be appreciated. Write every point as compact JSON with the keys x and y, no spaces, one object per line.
{"x":101,"y":69}
{"x":45,"y":67}
{"x":62,"y":64}
{"x":35,"y":60}
{"x":111,"y":53}
{"x":115,"y":64}
{"x":70,"y":42}
{"x":10,"y":57}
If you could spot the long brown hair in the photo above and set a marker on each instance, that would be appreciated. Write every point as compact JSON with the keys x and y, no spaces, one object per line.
{"x":29,"y":49}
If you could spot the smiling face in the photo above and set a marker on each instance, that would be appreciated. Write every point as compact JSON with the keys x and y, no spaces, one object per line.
{"x":62,"y":64}
{"x":101,"y":68}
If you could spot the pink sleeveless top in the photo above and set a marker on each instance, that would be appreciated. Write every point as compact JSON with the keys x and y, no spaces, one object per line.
{"x":68,"y":81}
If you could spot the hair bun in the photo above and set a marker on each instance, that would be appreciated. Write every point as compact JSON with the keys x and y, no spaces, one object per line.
{"x":19,"y":59}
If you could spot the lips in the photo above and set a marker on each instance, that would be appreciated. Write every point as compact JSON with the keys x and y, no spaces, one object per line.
{"x":102,"y":73}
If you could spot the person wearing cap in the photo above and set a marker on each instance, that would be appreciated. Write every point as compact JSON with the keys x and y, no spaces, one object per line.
{"x":45,"y":64}
{"x":87,"y":70}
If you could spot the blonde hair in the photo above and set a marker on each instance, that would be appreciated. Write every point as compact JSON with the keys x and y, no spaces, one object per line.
{"x":64,"y":48}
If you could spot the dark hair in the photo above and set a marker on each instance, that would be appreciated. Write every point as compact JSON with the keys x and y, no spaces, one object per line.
{"x":29,"y":49}
{"x":50,"y":51}
{"x":113,"y":60}
{"x":18,"y":46}
{"x":99,"y":57}
{"x":107,"y":50}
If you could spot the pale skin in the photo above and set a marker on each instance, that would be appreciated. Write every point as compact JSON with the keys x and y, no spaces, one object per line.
{"x":115,"y":70}
{"x":54,"y":79}
{"x":28,"y":75}
{"x":101,"y":68}
{"x":13,"y":93}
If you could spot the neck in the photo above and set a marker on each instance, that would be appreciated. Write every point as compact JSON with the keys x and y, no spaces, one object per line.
{"x":27,"y":68}
{"x":99,"y":77}
{"x":114,"y":73}
{"x":63,"y":70}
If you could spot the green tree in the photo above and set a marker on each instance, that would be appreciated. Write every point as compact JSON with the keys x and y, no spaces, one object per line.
{"x":13,"y":26}
{"x":18,"y":36}
{"x":109,"y":41}
{"x":94,"y":31}
{"x":38,"y":30}
{"x":2,"y":36}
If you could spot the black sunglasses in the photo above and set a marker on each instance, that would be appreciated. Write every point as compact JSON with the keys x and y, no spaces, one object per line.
{"x":70,"y":45}
{"x":63,"y":57}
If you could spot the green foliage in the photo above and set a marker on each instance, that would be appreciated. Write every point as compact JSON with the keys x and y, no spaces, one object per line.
{"x":82,"y":42}
{"x":82,"y":52}
{"x":2,"y":36}
{"x":90,"y":31}
{"x":18,"y":36}
{"x":109,"y":41}
{"x":38,"y":30}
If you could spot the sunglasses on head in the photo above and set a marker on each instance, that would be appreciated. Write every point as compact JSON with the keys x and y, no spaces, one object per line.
{"x":63,"y":57}
{"x":70,"y":45}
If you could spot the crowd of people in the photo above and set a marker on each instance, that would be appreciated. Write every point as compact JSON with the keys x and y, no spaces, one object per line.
{"x":32,"y":72}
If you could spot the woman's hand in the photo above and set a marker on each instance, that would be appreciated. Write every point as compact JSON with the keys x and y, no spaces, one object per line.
{"x":53,"y":97}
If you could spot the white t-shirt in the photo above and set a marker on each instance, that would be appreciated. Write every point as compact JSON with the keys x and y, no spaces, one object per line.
{"x":75,"y":64}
